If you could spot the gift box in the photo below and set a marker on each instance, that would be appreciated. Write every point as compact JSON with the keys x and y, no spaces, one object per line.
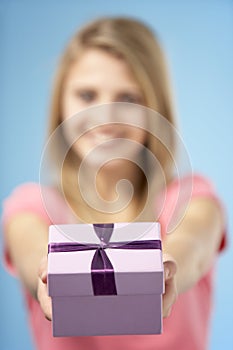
{"x":105,"y":279}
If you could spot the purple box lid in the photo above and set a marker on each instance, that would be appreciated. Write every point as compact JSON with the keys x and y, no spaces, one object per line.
{"x":136,"y":271}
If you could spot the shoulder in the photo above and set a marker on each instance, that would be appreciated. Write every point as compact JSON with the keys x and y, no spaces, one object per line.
{"x":181,"y":190}
{"x":191,"y":185}
{"x":175,"y":199}
{"x":33,"y":198}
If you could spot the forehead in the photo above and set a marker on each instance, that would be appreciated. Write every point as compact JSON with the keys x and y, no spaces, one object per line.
{"x":98,"y":65}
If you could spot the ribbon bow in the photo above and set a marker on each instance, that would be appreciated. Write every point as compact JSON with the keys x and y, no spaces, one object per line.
{"x":102,"y":272}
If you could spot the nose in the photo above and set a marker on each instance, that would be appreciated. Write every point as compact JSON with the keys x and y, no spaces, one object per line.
{"x":104,"y":113}
{"x":106,"y":97}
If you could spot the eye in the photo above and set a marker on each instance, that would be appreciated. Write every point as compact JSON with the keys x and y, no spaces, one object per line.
{"x":130,"y":98}
{"x":85,"y":95}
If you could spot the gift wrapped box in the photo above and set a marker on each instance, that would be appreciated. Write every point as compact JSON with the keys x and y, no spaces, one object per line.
{"x":105,"y":279}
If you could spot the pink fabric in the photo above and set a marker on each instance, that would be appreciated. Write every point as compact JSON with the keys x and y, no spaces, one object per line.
{"x":188,"y":325}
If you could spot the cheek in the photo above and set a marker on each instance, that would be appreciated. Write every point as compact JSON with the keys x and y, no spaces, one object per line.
{"x":70,"y":106}
{"x":142,"y":137}
{"x":137,"y":135}
{"x":65,"y":106}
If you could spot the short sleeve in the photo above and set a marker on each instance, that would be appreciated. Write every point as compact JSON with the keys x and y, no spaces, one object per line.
{"x":27,"y":198}
{"x":178,"y":195}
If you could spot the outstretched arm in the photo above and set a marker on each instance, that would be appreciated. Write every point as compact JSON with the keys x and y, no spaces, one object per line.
{"x":27,"y":240}
{"x":194,"y":243}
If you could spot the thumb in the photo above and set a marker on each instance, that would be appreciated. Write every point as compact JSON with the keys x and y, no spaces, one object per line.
{"x":170,"y":266}
{"x":42,"y":271}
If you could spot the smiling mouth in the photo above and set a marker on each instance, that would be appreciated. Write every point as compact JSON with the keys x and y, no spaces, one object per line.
{"x":101,"y":137}
{"x":104,"y":134}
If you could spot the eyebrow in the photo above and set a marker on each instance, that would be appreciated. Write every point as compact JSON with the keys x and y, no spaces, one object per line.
{"x":85,"y":82}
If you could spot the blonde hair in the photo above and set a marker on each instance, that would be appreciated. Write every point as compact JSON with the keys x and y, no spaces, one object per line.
{"x":136,"y":44}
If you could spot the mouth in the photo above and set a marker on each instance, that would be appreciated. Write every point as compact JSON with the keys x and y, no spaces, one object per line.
{"x":103,"y":135}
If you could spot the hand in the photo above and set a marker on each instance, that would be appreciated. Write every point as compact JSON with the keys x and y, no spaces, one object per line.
{"x":42,"y":293}
{"x":170,"y":294}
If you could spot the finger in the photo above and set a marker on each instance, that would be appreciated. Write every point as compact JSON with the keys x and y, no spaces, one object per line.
{"x":170,"y":296}
{"x":44,"y":300}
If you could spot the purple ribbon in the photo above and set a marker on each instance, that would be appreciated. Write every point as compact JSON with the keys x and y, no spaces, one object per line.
{"x":102,"y":272}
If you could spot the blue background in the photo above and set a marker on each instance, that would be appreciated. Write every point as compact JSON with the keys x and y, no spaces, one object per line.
{"x":198,"y":39}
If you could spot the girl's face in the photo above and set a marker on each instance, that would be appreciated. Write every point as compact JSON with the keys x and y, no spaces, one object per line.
{"x":99,"y":78}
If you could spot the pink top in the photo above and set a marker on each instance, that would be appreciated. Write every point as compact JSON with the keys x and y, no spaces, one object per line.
{"x":188,"y":325}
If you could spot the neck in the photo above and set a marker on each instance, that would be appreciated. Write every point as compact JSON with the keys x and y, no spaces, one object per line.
{"x":114,"y":193}
{"x":119,"y":179}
